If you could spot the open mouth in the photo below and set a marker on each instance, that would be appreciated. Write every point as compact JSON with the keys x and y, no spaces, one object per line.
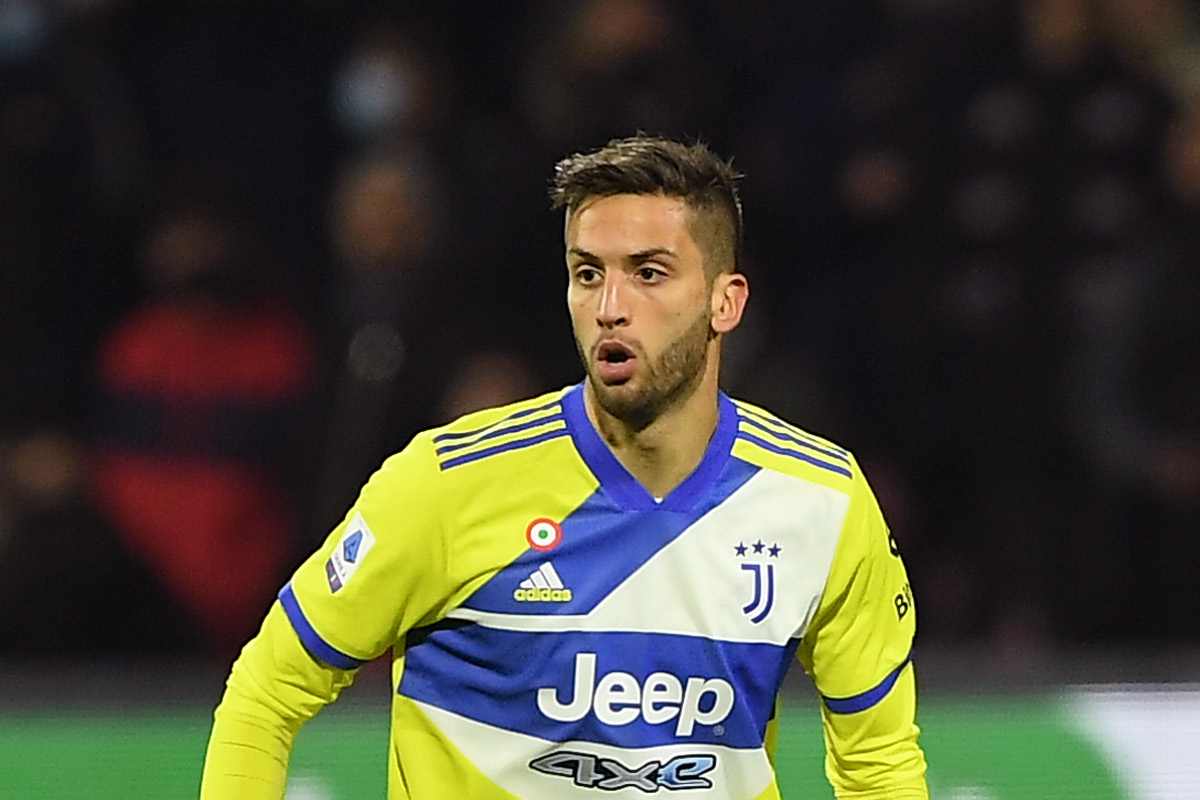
{"x":614,"y":353}
{"x":615,"y":362}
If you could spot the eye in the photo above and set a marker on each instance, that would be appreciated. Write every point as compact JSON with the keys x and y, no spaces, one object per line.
{"x":650,"y":274}
{"x":586,"y":275}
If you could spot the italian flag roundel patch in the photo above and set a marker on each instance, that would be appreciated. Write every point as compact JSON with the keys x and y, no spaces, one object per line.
{"x":543,"y":534}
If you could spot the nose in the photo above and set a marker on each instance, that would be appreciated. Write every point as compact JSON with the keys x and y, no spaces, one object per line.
{"x":613,"y":310}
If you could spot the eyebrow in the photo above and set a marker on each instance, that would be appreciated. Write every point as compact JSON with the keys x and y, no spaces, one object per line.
{"x":646,"y":255}
{"x":639,"y":256}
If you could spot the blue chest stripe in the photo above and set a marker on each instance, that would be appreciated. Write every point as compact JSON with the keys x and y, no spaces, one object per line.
{"x":602,"y":545}
{"x":516,"y":679}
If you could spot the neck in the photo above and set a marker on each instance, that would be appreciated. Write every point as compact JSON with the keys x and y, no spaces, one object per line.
{"x":662,"y":454}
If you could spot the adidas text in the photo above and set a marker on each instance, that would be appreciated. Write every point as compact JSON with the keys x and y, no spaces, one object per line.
{"x":542,"y":595}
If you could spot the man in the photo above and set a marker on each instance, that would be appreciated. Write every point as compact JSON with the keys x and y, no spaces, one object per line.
{"x":602,"y":588}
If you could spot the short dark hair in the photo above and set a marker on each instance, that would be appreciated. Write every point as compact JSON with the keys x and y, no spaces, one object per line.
{"x":653,"y":165}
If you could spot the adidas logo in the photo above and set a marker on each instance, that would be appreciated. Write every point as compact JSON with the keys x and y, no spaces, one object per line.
{"x":542,"y":586}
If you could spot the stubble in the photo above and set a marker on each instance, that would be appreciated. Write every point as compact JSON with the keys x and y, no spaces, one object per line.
{"x":667,"y":381}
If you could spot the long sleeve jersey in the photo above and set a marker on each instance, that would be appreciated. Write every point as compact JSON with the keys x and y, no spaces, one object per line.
{"x":556,"y":631}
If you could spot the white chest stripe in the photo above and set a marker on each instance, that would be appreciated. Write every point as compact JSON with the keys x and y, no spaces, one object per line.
{"x":699,"y":585}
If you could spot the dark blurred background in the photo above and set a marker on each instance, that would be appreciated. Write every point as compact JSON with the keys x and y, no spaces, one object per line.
{"x":248,"y":249}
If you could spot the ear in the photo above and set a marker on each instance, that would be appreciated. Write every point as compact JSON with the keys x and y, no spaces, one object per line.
{"x":730,"y":291}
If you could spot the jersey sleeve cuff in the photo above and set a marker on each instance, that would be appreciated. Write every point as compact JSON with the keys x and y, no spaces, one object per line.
{"x":864,"y":700}
{"x":317,"y":647}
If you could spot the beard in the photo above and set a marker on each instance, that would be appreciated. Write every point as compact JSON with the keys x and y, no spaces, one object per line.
{"x":665,"y":382}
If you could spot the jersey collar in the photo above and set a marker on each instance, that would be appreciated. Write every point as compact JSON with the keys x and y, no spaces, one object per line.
{"x":620,"y":485}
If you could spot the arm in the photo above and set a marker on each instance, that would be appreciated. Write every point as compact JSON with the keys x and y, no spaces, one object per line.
{"x":857,"y":650}
{"x":274,"y":688}
{"x":381,"y":572}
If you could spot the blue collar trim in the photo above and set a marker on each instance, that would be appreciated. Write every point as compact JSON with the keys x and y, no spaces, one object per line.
{"x":620,"y":485}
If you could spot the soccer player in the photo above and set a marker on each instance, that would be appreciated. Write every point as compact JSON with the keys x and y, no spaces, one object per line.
{"x":601,"y":589}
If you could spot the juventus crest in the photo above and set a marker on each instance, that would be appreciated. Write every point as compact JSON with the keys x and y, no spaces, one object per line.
{"x":759,"y":564}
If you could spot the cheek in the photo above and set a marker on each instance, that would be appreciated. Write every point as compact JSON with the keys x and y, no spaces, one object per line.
{"x":682,"y":315}
{"x":577,"y":312}
{"x":667,"y":326}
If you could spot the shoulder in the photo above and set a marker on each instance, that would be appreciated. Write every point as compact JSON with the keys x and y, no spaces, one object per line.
{"x":478,"y":421}
{"x":771,"y":442}
{"x":433,"y":455}
{"x":480,"y":436}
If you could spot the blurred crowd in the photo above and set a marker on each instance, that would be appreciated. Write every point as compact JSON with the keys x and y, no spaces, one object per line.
{"x":248,"y":249}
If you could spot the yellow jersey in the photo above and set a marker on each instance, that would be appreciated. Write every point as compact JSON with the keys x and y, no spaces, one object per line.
{"x":556,"y":631}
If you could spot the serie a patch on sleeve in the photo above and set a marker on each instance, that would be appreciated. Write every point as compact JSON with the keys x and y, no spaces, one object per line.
{"x":351,"y":551}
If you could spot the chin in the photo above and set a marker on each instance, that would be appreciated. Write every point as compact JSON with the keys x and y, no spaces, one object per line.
{"x":620,"y":393}
{"x":627,"y":402}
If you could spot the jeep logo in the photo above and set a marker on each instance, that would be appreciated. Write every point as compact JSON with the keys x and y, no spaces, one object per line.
{"x":618,"y":698}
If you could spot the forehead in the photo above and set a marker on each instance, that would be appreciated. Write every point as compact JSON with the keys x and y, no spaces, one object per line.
{"x":630,"y":223}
